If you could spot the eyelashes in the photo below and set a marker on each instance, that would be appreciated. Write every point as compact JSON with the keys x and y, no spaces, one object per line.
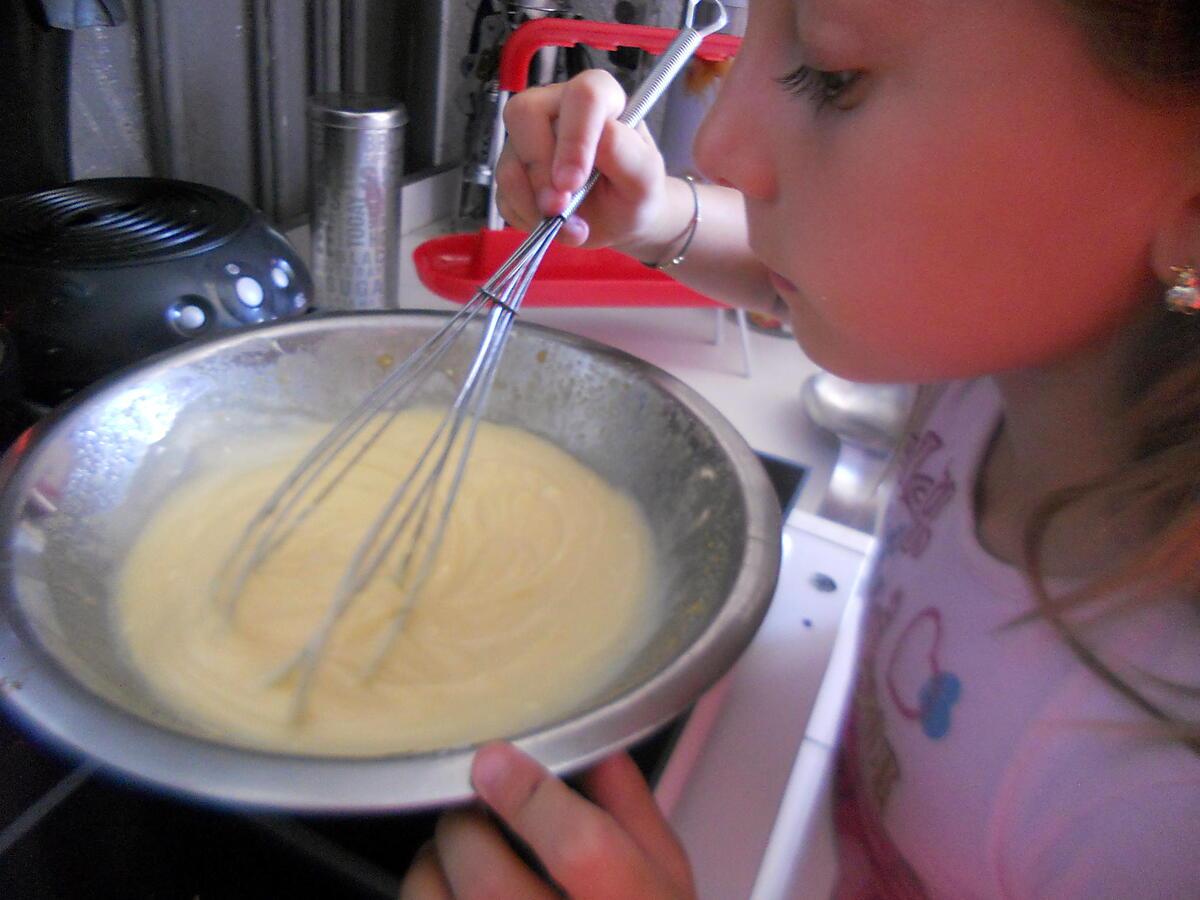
{"x":821,"y":88}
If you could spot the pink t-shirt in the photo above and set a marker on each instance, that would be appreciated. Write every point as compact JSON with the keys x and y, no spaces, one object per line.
{"x":982,"y":761}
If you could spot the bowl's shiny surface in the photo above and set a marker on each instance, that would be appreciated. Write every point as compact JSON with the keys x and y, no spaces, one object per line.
{"x":77,"y":489}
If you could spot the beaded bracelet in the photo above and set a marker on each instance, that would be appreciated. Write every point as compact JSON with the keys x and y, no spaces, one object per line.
{"x":690,"y":233}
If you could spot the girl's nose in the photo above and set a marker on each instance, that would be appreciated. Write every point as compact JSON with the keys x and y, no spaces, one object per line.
{"x":733,"y":145}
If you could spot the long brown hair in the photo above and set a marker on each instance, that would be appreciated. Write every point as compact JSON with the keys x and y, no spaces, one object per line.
{"x":1152,"y":44}
{"x":1153,"y":47}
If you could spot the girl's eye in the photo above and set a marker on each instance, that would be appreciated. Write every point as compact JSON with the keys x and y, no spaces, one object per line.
{"x":823,"y":88}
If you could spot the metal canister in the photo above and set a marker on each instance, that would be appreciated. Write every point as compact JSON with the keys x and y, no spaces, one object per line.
{"x":356,"y":157}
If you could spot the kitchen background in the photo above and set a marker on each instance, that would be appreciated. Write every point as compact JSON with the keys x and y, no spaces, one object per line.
{"x":215,"y":91}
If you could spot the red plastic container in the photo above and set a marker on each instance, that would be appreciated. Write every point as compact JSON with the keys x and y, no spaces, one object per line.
{"x":456,"y":265}
{"x":522,"y":44}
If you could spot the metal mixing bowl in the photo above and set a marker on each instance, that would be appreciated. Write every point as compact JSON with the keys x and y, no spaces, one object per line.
{"x":78,"y":487}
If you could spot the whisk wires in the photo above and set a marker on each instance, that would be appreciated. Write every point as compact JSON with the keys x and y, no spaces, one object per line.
{"x":414,"y":510}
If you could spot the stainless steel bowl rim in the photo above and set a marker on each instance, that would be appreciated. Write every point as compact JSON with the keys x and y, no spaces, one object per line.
{"x":42,"y":692}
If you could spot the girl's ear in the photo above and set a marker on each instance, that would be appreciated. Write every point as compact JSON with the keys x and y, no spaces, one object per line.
{"x":1177,"y":242}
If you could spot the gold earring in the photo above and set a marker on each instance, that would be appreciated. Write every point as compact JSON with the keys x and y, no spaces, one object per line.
{"x":1184,"y":295}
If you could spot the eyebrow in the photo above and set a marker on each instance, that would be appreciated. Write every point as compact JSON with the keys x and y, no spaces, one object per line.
{"x":853,"y":9}
{"x":838,"y":23}
{"x":821,"y":23}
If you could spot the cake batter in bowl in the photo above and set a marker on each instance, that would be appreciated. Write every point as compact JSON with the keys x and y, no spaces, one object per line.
{"x":86,"y":485}
{"x":542,"y":591}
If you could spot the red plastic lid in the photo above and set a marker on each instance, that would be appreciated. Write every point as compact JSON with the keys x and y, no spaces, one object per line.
{"x":454,"y":266}
{"x":520,"y":47}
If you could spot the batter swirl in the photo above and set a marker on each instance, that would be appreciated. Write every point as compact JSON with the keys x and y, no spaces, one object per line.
{"x":540,"y":595}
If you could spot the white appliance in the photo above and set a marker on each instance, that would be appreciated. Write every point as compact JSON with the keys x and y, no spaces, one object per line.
{"x":747,"y":786}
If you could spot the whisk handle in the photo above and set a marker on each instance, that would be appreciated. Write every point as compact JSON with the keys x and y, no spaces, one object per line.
{"x":669,"y":64}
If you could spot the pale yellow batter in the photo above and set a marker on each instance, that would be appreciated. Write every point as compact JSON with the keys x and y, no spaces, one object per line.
{"x":540,"y":595}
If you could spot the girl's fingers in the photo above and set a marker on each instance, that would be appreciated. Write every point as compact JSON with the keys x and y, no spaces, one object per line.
{"x":616,"y":785}
{"x":589,"y":100}
{"x":556,"y":135}
{"x":582,"y":847}
{"x":478,"y":861}
{"x":575,"y":232}
{"x":629,"y":160}
{"x":516,"y":204}
{"x":514,"y":193}
{"x":529,"y":118}
{"x":425,"y":879}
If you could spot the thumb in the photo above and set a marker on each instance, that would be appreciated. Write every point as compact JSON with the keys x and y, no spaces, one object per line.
{"x":581,"y":846}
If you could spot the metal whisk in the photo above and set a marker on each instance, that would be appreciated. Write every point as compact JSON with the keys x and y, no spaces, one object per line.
{"x":414,"y":508}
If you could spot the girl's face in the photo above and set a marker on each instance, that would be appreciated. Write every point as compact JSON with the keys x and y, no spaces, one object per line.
{"x":952,"y":187}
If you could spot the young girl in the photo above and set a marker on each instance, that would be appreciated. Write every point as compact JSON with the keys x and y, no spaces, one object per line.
{"x":936,"y":191}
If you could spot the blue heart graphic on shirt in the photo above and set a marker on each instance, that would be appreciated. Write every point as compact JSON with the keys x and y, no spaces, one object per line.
{"x":938,"y":695}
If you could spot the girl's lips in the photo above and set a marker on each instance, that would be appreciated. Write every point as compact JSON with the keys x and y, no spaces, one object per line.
{"x":781,"y":284}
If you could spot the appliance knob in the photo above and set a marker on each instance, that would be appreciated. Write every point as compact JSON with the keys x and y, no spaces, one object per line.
{"x":281,"y":274}
{"x":188,"y":318}
{"x":192,"y":317}
{"x":249,"y":291}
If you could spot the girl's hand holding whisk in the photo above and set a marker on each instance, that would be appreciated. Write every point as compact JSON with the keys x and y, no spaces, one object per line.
{"x":559,"y":133}
{"x":556,"y":135}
